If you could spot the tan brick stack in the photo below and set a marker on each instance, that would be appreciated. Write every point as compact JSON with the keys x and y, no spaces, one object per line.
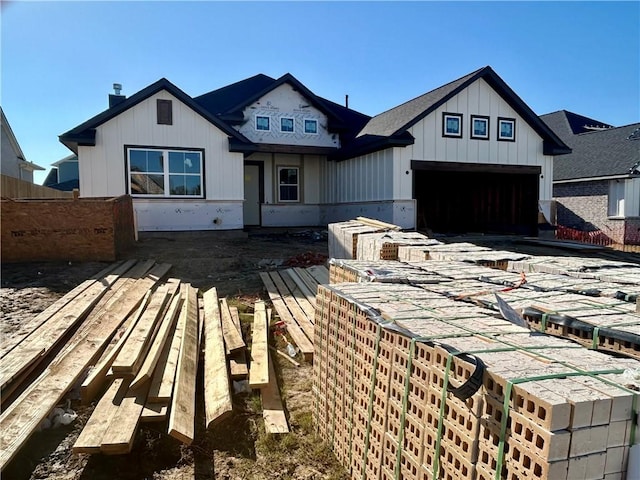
{"x":460,"y":252}
{"x":343,"y":236}
{"x":384,"y":246}
{"x":382,"y":364}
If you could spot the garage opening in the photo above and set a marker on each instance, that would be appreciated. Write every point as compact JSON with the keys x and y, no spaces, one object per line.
{"x":476,"y":198}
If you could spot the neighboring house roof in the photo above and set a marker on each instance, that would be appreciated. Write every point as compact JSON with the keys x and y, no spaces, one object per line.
{"x":23,"y":163}
{"x":397,"y":120}
{"x":85,"y":134}
{"x":613,"y":152}
{"x":69,"y":158}
{"x":67,"y":186}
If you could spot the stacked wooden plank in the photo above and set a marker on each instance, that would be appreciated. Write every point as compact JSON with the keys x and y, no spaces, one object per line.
{"x":343,"y":236}
{"x":292,"y":292}
{"x":23,"y":416}
{"x":384,"y":246}
{"x":409,"y":384}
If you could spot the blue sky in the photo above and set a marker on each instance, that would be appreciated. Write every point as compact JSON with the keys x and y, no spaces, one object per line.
{"x":60,"y":59}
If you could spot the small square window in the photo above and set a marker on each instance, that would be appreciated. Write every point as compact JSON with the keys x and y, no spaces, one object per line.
{"x":262,"y":123}
{"x":506,"y":129}
{"x":452,"y":125}
{"x":479,"y":127}
{"x":310,"y":126}
{"x":286,"y":124}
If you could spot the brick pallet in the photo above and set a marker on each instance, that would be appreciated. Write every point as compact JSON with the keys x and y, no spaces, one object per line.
{"x":392,"y":392}
{"x":343,"y":236}
{"x":384,"y":246}
{"x":460,"y":252}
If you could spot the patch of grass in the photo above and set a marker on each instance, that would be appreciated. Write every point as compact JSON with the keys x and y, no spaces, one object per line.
{"x":254,"y":403}
{"x":304,"y":421}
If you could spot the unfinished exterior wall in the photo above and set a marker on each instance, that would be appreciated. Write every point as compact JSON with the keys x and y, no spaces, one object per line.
{"x":92,"y":229}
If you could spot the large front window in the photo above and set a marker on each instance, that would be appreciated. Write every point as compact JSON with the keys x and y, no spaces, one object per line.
{"x":165,"y":173}
{"x":288,"y":184}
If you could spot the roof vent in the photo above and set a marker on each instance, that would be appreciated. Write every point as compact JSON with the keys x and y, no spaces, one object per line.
{"x":117,"y":87}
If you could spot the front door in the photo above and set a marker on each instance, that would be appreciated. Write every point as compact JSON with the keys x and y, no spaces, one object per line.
{"x":253,"y":193}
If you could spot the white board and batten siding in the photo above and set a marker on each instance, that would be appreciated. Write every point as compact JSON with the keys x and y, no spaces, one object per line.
{"x":102,"y":167}
{"x":477,"y":99}
{"x":363,"y":187}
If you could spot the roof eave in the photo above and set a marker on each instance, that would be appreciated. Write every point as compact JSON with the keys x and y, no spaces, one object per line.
{"x":379,"y":143}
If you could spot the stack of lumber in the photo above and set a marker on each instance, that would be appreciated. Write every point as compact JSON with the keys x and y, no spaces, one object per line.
{"x":384,"y":246}
{"x":410,"y":384}
{"x":343,"y":236}
{"x":132,"y":344}
{"x":79,"y":342}
{"x":292,"y":292}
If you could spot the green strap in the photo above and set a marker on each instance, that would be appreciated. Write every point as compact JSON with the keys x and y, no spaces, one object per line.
{"x":443,"y":399}
{"x":319,"y":348}
{"x":596,"y":331}
{"x":335,"y":372}
{"x":404,"y":409}
{"x":353,"y":361}
{"x":371,"y":395}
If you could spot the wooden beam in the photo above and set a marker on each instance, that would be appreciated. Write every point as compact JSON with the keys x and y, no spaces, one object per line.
{"x":300,"y":316}
{"x":295,"y":332}
{"x":163,"y":378}
{"x":259,"y":369}
{"x":320,"y":273}
{"x":298,"y":295}
{"x":306,"y":283}
{"x":232,"y":336}
{"x":153,"y":355}
{"x":238,"y":368}
{"x":90,"y":438}
{"x":132,"y":354}
{"x":32,"y":349}
{"x":154,"y":412}
{"x":97,"y":377}
{"x":118,"y":439}
{"x":29,"y":326}
{"x":183,"y":405}
{"x":22,"y":418}
{"x":217,"y":394}
{"x":275,"y":421}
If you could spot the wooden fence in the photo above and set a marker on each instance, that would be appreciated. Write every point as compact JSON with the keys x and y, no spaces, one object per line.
{"x":15,"y":188}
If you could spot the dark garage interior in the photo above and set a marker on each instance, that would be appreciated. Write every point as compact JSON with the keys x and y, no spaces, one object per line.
{"x":463,"y":198}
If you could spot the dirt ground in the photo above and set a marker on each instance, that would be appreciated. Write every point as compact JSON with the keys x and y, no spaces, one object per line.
{"x":238,"y":448}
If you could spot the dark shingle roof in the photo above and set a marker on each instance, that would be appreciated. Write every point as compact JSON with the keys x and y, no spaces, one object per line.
{"x":596,"y":153}
{"x":399,"y":119}
{"x":85,"y":134}
{"x":229,"y":102}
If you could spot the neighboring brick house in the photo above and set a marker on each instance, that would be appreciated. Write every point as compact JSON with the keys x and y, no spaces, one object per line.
{"x":597,"y":186}
{"x":468,"y":156}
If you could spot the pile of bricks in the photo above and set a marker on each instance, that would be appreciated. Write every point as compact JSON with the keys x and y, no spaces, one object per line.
{"x":396,"y":397}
